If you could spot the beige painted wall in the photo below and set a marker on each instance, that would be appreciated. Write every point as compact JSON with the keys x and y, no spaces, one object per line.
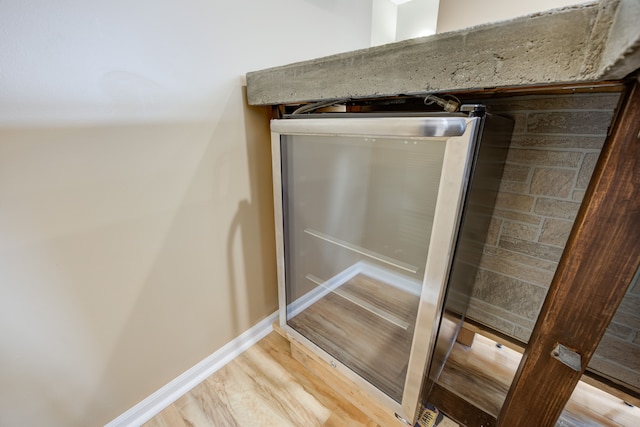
{"x":136,"y":230}
{"x":458,"y":14}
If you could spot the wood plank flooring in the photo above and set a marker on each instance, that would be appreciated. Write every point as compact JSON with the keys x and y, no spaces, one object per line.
{"x":265,"y":386}
{"x":262,"y":387}
{"x":372,"y":343}
{"x":482,"y":375}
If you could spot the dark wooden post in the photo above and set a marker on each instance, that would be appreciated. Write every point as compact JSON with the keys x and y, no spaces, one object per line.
{"x":599,"y":261}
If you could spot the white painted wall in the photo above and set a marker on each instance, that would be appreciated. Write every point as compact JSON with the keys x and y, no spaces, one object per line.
{"x":384,"y":17}
{"x":417,"y":18}
{"x":458,"y":14}
{"x":396,"y":20}
{"x":135,"y":196}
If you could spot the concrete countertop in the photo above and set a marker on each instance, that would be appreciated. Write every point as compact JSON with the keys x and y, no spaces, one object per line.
{"x":596,"y":41}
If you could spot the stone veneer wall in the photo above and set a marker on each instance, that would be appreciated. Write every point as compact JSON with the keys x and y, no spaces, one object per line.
{"x":556,"y":142}
{"x":618,"y":355}
{"x":555,"y":145}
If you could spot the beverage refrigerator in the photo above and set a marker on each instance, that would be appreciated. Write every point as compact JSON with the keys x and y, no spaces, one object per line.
{"x":380,"y":221}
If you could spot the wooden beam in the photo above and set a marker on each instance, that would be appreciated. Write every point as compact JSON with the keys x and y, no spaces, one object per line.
{"x":598,"y":263}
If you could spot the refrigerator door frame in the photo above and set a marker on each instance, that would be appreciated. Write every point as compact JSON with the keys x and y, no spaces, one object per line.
{"x":462,"y":136}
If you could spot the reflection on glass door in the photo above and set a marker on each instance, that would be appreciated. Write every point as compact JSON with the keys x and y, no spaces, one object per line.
{"x":358,"y":214}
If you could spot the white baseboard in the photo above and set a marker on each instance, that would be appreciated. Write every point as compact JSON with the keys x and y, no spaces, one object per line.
{"x":165,"y":396}
{"x":152,"y":405}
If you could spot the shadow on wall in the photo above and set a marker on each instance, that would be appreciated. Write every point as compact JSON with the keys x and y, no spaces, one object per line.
{"x":254,"y":220}
{"x":128,"y":254}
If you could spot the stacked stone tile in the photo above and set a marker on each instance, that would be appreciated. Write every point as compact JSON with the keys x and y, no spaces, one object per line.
{"x":555,"y":145}
{"x":618,"y":355}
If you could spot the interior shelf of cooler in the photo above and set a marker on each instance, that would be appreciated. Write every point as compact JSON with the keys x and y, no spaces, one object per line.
{"x":363,"y":251}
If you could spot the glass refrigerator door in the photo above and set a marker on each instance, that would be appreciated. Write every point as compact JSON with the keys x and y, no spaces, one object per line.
{"x":360,"y":225}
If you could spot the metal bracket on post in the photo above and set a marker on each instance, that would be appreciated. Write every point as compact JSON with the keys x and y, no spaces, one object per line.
{"x":568,"y":357}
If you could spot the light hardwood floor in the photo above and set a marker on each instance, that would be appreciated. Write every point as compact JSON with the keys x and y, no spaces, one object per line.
{"x":265,"y":386}
{"x":262,"y":387}
{"x":483,"y":373}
